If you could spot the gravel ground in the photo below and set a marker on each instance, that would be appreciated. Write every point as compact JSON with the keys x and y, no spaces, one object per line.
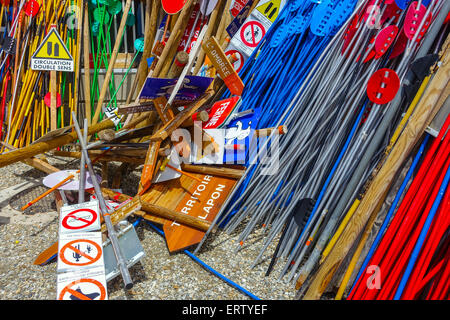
{"x":159,"y":275}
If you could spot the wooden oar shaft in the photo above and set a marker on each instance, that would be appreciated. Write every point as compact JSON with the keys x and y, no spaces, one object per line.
{"x":181,"y":218}
{"x":112,"y":61}
{"x":46,"y":193}
{"x":105,"y":158}
{"x":215,"y":171}
{"x":41,"y":147}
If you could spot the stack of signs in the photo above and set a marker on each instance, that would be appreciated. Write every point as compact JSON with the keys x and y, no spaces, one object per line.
{"x":193,"y":27}
{"x":247,"y":30}
{"x":81,"y":269}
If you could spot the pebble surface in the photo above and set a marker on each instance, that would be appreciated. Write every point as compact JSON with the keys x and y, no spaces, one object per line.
{"x":159,"y":275}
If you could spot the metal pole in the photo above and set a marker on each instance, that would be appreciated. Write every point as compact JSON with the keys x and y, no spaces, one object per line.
{"x":106,"y":216}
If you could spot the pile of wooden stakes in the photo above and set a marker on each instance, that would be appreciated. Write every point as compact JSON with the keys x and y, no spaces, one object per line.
{"x":158,"y":87}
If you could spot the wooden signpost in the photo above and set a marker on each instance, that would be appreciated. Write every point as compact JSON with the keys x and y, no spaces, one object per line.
{"x":223,"y":66}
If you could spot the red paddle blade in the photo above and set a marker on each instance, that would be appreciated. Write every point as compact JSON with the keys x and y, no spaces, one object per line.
{"x":173,"y":6}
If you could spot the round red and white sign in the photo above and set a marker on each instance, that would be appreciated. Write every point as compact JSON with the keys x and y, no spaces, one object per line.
{"x":83,"y":289}
{"x":383,"y":86}
{"x":237,"y":59}
{"x":173,"y":6}
{"x":79,"y":219}
{"x":252,"y":33}
{"x":80,"y":252}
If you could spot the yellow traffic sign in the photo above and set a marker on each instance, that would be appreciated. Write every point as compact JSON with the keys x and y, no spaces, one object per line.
{"x":270,"y":9}
{"x":52,"y":54}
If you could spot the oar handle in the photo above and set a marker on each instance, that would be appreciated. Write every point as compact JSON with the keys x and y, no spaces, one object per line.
{"x":47,"y":192}
{"x":184,"y":173}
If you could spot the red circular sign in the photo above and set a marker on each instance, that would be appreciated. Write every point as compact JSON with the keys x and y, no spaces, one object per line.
{"x":239,"y":63}
{"x":383,"y":85}
{"x":252,"y":33}
{"x":72,"y":215}
{"x":69,"y":246}
{"x":83,"y":295}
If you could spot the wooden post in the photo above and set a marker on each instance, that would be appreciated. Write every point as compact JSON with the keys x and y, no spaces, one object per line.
{"x":53,"y":110}
{"x":181,"y":218}
{"x":165,"y":59}
{"x":41,"y":147}
{"x":112,"y":61}
{"x":181,"y":59}
{"x":87,"y":69}
{"x":214,"y":171}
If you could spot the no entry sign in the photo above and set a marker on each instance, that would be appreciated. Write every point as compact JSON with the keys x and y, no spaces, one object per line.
{"x":80,"y":217}
{"x":236,"y":58}
{"x":252,"y":32}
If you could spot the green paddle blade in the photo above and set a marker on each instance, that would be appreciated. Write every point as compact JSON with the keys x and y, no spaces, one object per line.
{"x":131,"y":20}
{"x":101,"y":15}
{"x":95,"y":28}
{"x":114,"y":7}
{"x":139,"y":44}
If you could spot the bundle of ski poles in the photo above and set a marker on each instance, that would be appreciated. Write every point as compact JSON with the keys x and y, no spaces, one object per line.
{"x":341,"y":128}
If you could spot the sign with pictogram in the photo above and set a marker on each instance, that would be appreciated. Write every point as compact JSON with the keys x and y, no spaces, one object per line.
{"x":85,"y":285}
{"x":52,"y":54}
{"x":236,"y":58}
{"x":270,"y":9}
{"x":237,"y":7}
{"x":80,"y":217}
{"x":80,"y":250}
{"x":252,"y":32}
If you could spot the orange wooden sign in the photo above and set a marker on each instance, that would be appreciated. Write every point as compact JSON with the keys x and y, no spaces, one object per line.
{"x":223,"y":66}
{"x":202,"y":200}
{"x":149,"y":166}
{"x":185,"y":195}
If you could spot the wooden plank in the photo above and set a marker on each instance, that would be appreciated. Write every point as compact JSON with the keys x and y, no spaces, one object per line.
{"x":168,"y":128}
{"x":149,"y":166}
{"x":425,"y":112}
{"x":203,"y":201}
{"x":184,"y":219}
{"x":214,"y":171}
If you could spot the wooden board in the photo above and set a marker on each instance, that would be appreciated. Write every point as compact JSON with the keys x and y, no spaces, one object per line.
{"x":201,"y":200}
